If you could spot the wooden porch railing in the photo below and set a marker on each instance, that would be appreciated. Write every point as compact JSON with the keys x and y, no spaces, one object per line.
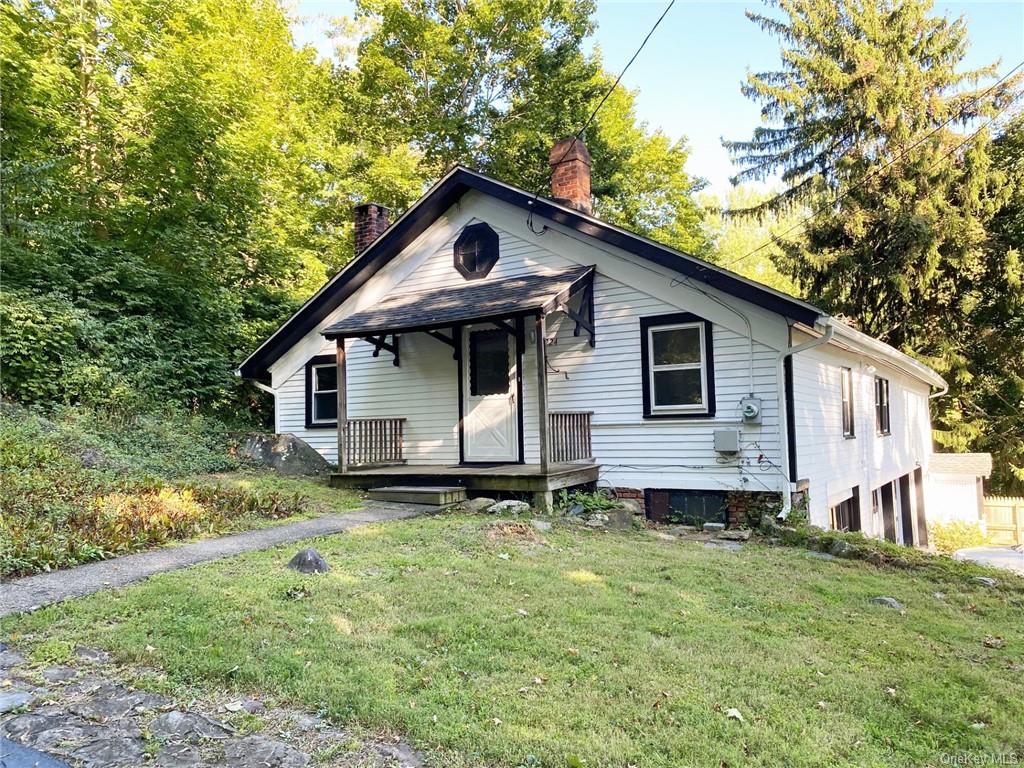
{"x":569,"y":433}
{"x":375,"y":441}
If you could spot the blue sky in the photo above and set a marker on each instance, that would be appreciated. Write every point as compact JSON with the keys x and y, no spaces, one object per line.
{"x":689,"y":74}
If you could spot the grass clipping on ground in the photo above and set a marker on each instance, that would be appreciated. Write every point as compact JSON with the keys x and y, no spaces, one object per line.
{"x":610,"y":649}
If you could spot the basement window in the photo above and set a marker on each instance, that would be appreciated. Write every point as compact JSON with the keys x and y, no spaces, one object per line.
{"x":678,"y":365}
{"x":322,"y":392}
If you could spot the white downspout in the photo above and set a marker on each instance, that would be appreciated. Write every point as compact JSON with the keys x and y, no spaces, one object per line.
{"x":787,"y":500}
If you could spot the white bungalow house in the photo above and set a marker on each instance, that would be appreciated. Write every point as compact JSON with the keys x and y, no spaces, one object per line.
{"x":494,"y":340}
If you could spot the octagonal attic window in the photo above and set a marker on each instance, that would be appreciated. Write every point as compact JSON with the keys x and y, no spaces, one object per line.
{"x":476,"y":251}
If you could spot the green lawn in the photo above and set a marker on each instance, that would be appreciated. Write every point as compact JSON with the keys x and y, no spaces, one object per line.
{"x":591,"y":648}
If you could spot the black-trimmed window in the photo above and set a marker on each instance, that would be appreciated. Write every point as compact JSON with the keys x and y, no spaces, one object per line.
{"x":846,"y":376}
{"x":677,"y":357}
{"x":476,"y":251}
{"x":881,"y":406}
{"x":322,"y":392}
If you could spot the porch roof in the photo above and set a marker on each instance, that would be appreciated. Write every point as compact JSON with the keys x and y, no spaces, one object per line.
{"x":481,"y":301}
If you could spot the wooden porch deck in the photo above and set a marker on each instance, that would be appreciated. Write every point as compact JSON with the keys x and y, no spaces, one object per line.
{"x":526,"y":478}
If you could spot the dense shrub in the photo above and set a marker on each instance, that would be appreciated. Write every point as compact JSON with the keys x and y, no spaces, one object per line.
{"x":81,"y":487}
{"x":949,"y":537}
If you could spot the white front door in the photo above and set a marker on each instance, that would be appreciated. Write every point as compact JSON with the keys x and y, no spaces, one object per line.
{"x":490,"y":418}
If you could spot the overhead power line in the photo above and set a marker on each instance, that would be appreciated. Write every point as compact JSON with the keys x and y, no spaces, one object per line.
{"x":897,"y":158}
{"x":579,"y":134}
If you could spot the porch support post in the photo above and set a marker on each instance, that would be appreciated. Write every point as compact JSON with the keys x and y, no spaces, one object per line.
{"x":542,"y":393}
{"x":342,"y":408}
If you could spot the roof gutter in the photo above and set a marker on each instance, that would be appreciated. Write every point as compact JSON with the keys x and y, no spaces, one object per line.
{"x":825,"y":338}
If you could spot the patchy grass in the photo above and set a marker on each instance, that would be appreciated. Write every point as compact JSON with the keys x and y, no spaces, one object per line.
{"x":588,"y":648}
{"x":320,"y":498}
{"x":79,"y":489}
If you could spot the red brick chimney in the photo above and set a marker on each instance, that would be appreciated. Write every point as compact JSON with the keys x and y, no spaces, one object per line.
{"x":371,"y":219}
{"x":570,"y":174}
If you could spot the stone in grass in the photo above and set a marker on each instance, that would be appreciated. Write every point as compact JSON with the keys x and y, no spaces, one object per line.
{"x":309,"y":561}
{"x":178,"y":756}
{"x":177,"y":726}
{"x":576,"y":510}
{"x":59,"y":674}
{"x":261,"y":751}
{"x":510,"y":506}
{"x":888,"y":602}
{"x":736,"y":534}
{"x":730,"y":546}
{"x":11,"y":658}
{"x":841,"y":548}
{"x":93,"y":655}
{"x":541,"y":525}
{"x":713,"y":527}
{"x":479,"y":504}
{"x":11,"y":700}
{"x":985,"y":581}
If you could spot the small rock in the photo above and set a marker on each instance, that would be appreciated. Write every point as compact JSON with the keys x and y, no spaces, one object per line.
{"x":309,"y":561}
{"x":59,"y":674}
{"x":736,"y":534}
{"x":541,"y":525}
{"x":11,"y":700}
{"x":403,"y":754}
{"x":769,"y":524}
{"x":596,"y":520}
{"x":734,"y":713}
{"x":253,"y":707}
{"x":479,"y":504}
{"x":178,"y":756}
{"x":302,"y":722}
{"x":186,"y":726}
{"x":875,"y":557}
{"x":985,"y":581}
{"x":509,"y":507}
{"x":111,"y":748}
{"x":682,"y":530}
{"x":576,"y":510}
{"x":10,"y":658}
{"x":92,"y":655}
{"x":664,"y":536}
{"x":632,"y":505}
{"x":840,"y":548}
{"x":993,"y":642}
{"x":888,"y":602}
{"x":261,"y":751}
{"x":731,"y":546}
{"x":939,"y":595}
{"x":713,"y":527}
{"x":820,"y":555}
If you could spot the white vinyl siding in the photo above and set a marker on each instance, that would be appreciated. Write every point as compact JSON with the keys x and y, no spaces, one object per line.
{"x":606,"y":380}
{"x":834,"y":464}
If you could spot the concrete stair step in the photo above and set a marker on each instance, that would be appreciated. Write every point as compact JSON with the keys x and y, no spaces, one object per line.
{"x":434,"y":495}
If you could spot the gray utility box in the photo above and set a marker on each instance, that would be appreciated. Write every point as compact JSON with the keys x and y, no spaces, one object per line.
{"x":727,"y":440}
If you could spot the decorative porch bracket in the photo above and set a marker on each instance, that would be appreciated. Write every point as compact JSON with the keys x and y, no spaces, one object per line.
{"x":380,"y":342}
{"x":449,"y":340}
{"x":507,"y":327}
{"x":584,"y":317}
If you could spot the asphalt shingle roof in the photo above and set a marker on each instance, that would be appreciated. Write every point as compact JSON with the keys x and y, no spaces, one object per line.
{"x":973,"y":464}
{"x":477,"y":300}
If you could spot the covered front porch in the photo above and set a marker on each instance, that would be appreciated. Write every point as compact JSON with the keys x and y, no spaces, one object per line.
{"x":509,"y":438}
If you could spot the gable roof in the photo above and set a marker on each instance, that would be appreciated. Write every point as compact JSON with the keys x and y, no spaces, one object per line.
{"x":971,"y":464}
{"x":449,"y":190}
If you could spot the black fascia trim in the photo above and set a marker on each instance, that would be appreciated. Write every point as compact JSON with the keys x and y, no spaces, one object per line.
{"x":709,"y":353}
{"x":314,"y":361}
{"x":448,"y":192}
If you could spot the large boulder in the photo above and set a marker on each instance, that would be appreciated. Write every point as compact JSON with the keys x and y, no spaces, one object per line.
{"x":286,"y":454}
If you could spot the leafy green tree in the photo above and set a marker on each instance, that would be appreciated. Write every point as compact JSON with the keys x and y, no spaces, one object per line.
{"x":493,"y":84}
{"x":864,"y":117}
{"x":164,"y":165}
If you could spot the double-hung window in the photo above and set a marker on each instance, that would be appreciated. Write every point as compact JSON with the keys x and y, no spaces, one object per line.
{"x":881,"y":405}
{"x":678,"y":366}
{"x":846,"y":375}
{"x":322,"y":392}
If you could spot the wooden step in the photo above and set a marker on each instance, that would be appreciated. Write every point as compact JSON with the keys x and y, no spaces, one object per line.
{"x":434,"y":495}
